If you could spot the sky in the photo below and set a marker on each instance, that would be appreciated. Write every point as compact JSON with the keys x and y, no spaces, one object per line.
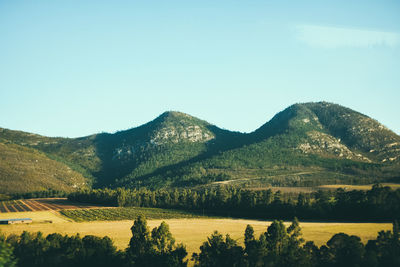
{"x":78,"y":67}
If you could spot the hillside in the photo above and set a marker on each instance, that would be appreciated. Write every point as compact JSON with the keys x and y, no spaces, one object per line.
{"x":25,"y":169}
{"x":305,"y":144}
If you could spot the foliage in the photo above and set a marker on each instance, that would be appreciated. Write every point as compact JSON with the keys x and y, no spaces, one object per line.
{"x":7,"y":258}
{"x":217,"y":251}
{"x":115,"y":214}
{"x":284,"y":247}
{"x":34,"y":249}
{"x":40,"y":194}
{"x":278,"y":246}
{"x":37,"y":250}
{"x":177,"y":150}
{"x":157,"y":249}
{"x":378,"y":204}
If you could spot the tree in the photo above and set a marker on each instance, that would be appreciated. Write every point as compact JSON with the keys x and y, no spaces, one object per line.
{"x":346,"y":250}
{"x":217,"y":252}
{"x":140,"y":246}
{"x":294,"y":253}
{"x":159,"y":249}
{"x":6,"y":255}
{"x":97,"y":251}
{"x":385,"y":250}
{"x":254,"y":252}
{"x":162,"y":238}
{"x":248,"y":235}
{"x":165,"y":251}
{"x":276,"y":237}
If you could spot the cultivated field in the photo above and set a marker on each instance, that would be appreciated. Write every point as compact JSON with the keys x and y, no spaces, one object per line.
{"x":190,"y":231}
{"x":41,"y":204}
{"x":131,"y":213}
{"x":65,"y":217}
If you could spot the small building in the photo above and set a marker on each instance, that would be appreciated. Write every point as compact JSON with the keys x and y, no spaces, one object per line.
{"x":14,"y":221}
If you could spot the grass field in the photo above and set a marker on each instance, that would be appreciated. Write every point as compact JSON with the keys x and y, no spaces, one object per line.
{"x":357,"y":187}
{"x":190,"y":231}
{"x":303,"y":189}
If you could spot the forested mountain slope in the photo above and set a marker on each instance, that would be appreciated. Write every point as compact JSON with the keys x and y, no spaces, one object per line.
{"x":304,"y":144}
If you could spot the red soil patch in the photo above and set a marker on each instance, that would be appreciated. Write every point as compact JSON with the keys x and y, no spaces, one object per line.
{"x":40,"y":204}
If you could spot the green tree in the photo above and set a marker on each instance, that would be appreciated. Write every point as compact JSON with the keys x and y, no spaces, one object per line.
{"x":345,"y":250}
{"x":140,"y":246}
{"x":248,"y":235}
{"x":219,"y":252}
{"x":159,"y":249}
{"x":6,"y":255}
{"x":385,"y":250}
{"x":276,"y":237}
{"x":162,"y":238}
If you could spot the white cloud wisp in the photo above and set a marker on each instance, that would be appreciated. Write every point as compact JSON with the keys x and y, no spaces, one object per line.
{"x":335,"y":37}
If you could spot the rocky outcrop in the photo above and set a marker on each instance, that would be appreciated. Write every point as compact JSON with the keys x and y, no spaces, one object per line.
{"x":325,"y":144}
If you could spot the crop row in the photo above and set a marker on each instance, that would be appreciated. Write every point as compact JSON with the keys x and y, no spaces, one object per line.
{"x":13,"y":206}
{"x":115,"y":214}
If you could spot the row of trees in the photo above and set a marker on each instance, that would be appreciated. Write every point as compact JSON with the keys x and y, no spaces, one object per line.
{"x":281,"y":246}
{"x":34,"y":194}
{"x":378,"y":204}
{"x":39,"y":194}
{"x":278,"y":246}
{"x":157,"y":248}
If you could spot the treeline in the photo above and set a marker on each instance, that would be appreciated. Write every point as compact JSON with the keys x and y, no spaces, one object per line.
{"x":157,"y":249}
{"x":284,"y":247}
{"x":35,"y":194}
{"x":378,"y":204}
{"x":277,"y":247}
{"x":40,"y":194}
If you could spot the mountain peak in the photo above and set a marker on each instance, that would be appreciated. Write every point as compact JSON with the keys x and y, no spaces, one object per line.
{"x":174,"y":126}
{"x":175,"y":114}
{"x":178,"y":117}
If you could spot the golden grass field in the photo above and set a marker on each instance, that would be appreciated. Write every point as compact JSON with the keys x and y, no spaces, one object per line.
{"x":357,"y":187}
{"x":191,"y":232}
{"x":304,"y":189}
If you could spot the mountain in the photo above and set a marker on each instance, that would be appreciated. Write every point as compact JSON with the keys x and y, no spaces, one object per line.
{"x":305,"y":144}
{"x":332,"y":130}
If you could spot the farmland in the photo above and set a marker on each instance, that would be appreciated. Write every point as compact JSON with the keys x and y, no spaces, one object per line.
{"x":117,"y":214}
{"x":190,"y":231}
{"x":59,"y":215}
{"x":41,"y":204}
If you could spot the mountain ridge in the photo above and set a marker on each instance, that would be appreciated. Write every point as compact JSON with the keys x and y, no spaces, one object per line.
{"x":176,"y":149}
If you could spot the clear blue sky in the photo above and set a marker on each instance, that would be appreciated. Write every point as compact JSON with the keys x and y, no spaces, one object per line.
{"x":73,"y":68}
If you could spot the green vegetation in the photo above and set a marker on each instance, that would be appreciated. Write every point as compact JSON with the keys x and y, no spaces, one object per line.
{"x":378,"y":204}
{"x":306,"y":144}
{"x":6,"y":254}
{"x":155,"y":248}
{"x":115,"y":214}
{"x":277,"y":246}
{"x":24,"y":169}
{"x":39,"y":194}
{"x":281,"y":246}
